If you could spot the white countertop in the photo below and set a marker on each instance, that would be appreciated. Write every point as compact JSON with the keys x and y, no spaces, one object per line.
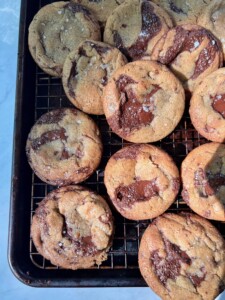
{"x":10,"y":287}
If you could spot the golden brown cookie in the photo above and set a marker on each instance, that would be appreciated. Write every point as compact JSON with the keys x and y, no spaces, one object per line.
{"x":135,"y":27}
{"x":72,"y":227}
{"x":203,"y":177}
{"x":64,"y":147}
{"x":191,"y":52}
{"x":143,"y":102}
{"x":142,"y":181}
{"x":207,"y":107}
{"x":182,"y":257}
{"x":56,"y":30}
{"x":213,"y":18}
{"x":86,"y":71}
{"x":183,"y":12}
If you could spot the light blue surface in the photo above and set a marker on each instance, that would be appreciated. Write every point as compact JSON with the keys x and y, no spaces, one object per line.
{"x":10,"y":287}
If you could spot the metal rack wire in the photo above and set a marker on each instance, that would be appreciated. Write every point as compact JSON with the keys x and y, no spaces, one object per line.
{"x":123,"y":254}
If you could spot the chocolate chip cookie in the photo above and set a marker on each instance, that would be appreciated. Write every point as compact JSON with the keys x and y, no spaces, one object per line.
{"x":135,"y":27}
{"x":203,"y":176}
{"x":212,"y":18}
{"x":191,"y":52}
{"x":182,"y":257}
{"x":101,"y":9}
{"x":143,"y":101}
{"x":56,"y":30}
{"x":142,"y":181}
{"x":72,"y":227}
{"x":183,"y":12}
{"x":207,"y":109}
{"x":64,"y":147}
{"x":86,"y":71}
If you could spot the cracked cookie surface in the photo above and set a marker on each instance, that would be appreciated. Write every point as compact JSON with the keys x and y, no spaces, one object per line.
{"x":207,"y":107}
{"x":87,"y":70}
{"x":135,"y":27}
{"x":64,"y":147}
{"x":56,"y":30}
{"x":183,"y":12}
{"x":142,"y":181}
{"x":73,"y":227}
{"x":191,"y":52}
{"x":143,"y":101}
{"x":203,"y":177}
{"x":182,"y":257}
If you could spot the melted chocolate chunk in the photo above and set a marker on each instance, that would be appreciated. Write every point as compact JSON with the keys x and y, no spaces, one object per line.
{"x":118,"y":41}
{"x":100,"y":49}
{"x":52,"y":117}
{"x":49,"y":136}
{"x":207,"y":183}
{"x":134,"y":114}
{"x":197,"y":280}
{"x":77,"y":8}
{"x":139,"y":191}
{"x":81,"y":52}
{"x":151,"y":25}
{"x":72,"y":79}
{"x":82,"y":246}
{"x":218,"y":104}
{"x":176,"y":9}
{"x":189,"y":41}
{"x":169,"y":267}
{"x":129,"y":153}
{"x":65,"y":154}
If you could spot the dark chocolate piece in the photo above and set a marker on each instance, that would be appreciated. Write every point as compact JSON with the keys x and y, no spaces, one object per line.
{"x":151,"y":25}
{"x":77,"y":8}
{"x":169,"y":267}
{"x":49,"y":136}
{"x":143,"y":190}
{"x":189,"y":41}
{"x":129,"y":153}
{"x":176,"y":9}
{"x":133,"y":114}
{"x":218,"y":104}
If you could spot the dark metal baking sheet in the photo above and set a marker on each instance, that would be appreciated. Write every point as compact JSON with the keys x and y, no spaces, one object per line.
{"x":36,"y":94}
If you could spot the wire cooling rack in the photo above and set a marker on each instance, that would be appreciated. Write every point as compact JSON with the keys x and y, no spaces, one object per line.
{"x":123,"y":254}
